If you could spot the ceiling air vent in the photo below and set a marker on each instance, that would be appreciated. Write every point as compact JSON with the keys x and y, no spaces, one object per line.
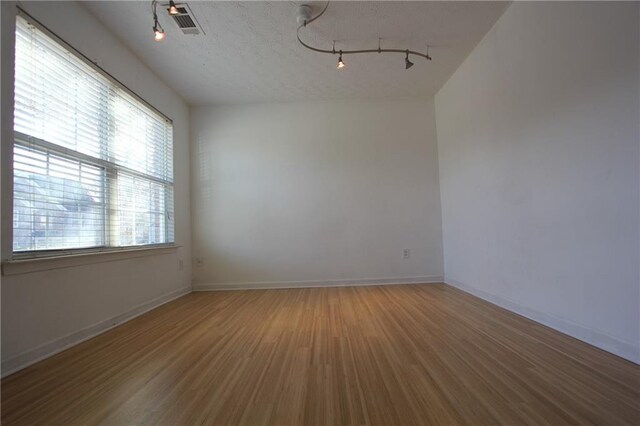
{"x":186,"y":21}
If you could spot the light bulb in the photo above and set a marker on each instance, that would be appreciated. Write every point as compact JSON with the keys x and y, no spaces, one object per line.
{"x":173,"y":10}
{"x":158,"y":34}
{"x":340,"y":63}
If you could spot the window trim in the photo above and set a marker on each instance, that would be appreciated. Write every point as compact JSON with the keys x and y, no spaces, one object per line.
{"x":17,"y":260}
{"x":81,"y":257}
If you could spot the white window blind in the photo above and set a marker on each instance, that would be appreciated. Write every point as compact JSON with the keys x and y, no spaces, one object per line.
{"x":93,"y":164}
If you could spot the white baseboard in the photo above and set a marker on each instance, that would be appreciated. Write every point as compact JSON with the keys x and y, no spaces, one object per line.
{"x":317,"y":283}
{"x":593,"y":337}
{"x":25,"y":359}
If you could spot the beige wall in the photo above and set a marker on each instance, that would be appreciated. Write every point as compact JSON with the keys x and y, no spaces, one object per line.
{"x":538,"y":135}
{"x":326,"y":192}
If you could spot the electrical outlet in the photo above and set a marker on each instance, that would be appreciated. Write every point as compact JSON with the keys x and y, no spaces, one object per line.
{"x":406,"y":253}
{"x":180,"y":265}
{"x":199,"y":261}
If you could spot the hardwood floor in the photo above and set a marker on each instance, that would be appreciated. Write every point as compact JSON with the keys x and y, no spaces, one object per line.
{"x":386,"y":355}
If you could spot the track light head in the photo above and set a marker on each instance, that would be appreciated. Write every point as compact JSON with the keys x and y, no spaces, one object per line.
{"x":173,"y":10}
{"x":341,"y":64}
{"x":158,"y":33}
{"x":407,"y":63}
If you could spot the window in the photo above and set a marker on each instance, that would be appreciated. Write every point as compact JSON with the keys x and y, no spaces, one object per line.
{"x":93,"y":164}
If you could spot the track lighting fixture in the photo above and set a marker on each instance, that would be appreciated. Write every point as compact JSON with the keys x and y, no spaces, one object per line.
{"x":158,"y":31}
{"x":304,"y":18}
{"x":341,"y":64}
{"x":407,"y":63}
{"x":173,"y":10}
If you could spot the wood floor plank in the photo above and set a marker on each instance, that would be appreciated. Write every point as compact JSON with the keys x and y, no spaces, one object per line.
{"x":380,"y":355}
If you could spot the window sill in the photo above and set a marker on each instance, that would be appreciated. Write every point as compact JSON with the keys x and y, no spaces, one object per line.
{"x":38,"y":264}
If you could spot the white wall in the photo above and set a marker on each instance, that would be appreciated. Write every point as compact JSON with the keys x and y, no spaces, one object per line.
{"x":538,"y":137}
{"x":327,"y":192}
{"x":43,"y":311}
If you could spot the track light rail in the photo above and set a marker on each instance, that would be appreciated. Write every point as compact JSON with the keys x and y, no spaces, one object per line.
{"x":341,"y":52}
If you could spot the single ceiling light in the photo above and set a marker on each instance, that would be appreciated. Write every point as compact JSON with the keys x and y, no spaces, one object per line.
{"x":341,"y":64}
{"x":173,"y":9}
{"x":407,"y":63}
{"x":158,"y":31}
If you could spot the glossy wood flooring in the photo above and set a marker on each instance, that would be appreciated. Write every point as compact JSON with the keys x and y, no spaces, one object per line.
{"x":410,"y":354}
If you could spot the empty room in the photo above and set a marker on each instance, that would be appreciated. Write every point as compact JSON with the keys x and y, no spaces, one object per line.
{"x":320,"y":213}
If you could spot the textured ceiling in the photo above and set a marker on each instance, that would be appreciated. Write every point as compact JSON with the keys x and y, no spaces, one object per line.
{"x":250,"y":52}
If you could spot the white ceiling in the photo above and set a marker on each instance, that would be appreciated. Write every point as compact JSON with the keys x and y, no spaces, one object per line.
{"x":250,"y":52}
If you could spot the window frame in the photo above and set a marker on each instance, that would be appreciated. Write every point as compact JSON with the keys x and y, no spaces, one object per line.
{"x":110,"y":169}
